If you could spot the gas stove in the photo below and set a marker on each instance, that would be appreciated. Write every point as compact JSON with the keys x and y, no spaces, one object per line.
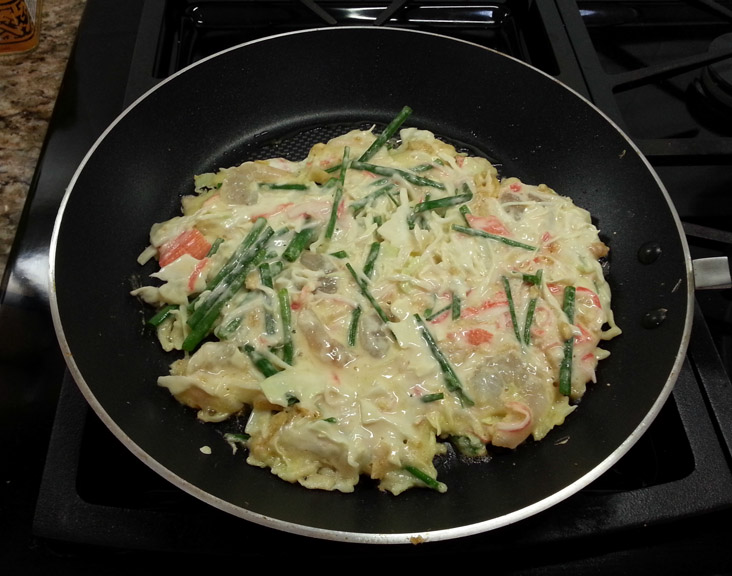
{"x":661,"y":70}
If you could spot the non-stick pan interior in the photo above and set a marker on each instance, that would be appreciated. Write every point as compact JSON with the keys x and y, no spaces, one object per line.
{"x":277,"y":97}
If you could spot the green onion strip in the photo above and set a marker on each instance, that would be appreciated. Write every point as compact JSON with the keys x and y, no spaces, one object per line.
{"x":338,"y":194}
{"x":511,"y":307}
{"x":565,"y":369}
{"x":534,"y":279}
{"x":452,"y":381}
{"x":488,"y":235}
{"x":363,"y":287}
{"x":288,"y":351}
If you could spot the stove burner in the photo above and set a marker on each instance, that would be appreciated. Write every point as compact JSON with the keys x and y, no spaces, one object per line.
{"x":711,"y":92}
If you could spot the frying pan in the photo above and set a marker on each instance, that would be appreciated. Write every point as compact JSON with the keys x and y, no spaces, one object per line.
{"x":278,"y":96}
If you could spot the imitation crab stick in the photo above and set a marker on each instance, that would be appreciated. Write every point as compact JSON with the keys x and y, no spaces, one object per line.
{"x":188,"y":242}
{"x":490,"y":224}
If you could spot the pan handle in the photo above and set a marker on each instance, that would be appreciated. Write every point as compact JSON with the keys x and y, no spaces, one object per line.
{"x":712,"y":273}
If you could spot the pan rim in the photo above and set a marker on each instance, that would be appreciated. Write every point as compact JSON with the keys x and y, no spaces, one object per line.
{"x":347,"y":536}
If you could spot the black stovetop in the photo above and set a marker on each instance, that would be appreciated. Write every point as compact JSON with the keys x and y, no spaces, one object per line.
{"x":74,"y":498}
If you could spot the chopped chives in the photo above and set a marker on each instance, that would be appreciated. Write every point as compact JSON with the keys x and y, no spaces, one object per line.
{"x":236,"y":438}
{"x":464,"y":210}
{"x":534,"y":279}
{"x":265,"y":276}
{"x":353,"y":326}
{"x":227,"y":283}
{"x":432,"y":397}
{"x":223,"y":332}
{"x":511,"y":307}
{"x":565,"y":369}
{"x":387,"y":134}
{"x":529,"y":320}
{"x":431,"y":315}
{"x":368,"y":267}
{"x":338,"y":194}
{"x":162,"y":314}
{"x":359,"y":205}
{"x":426,"y":479}
{"x":258,"y":227}
{"x":260,"y":361}
{"x":451,"y":378}
{"x":215,"y":247}
{"x":366,"y":293}
{"x":299,"y":242}
{"x":444,"y":202}
{"x":455,"y":307}
{"x":292,"y":186}
{"x":484,"y":234}
{"x":391,"y":172}
{"x":283,"y":297}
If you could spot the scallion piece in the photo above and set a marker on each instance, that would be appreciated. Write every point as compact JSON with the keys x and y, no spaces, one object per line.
{"x":511,"y":307}
{"x":299,"y":242}
{"x":242,"y":252}
{"x":431,"y":315}
{"x":368,"y":267}
{"x":353,"y":326}
{"x":451,"y":378}
{"x":162,"y":314}
{"x":565,"y":369}
{"x":391,"y":172}
{"x":387,"y":134}
{"x":444,"y":202}
{"x":214,"y":247}
{"x":260,"y":361}
{"x":288,"y":351}
{"x":484,"y":234}
{"x":366,"y":292}
{"x":432,"y":397}
{"x":224,"y":332}
{"x":339,"y":254}
{"x":534,"y":279}
{"x":455,"y":307}
{"x":465,"y":211}
{"x":338,"y":194}
{"x":468,"y":445}
{"x":236,"y":438}
{"x":265,"y":276}
{"x":227,"y":283}
{"x":426,"y":479}
{"x":529,"y":320}
{"x":291,"y":186}
{"x":359,"y":205}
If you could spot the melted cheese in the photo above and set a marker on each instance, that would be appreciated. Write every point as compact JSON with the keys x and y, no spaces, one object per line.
{"x":441,"y":353}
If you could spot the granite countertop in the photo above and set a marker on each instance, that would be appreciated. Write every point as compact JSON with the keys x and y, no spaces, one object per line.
{"x":29,"y":83}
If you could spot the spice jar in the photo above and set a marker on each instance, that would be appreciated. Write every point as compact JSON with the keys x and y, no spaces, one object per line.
{"x":20,"y":25}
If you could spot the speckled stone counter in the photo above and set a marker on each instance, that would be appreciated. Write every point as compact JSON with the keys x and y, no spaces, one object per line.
{"x":29,"y":84}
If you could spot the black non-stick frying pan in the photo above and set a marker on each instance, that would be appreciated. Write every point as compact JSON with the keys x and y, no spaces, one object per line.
{"x":277,"y":97}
